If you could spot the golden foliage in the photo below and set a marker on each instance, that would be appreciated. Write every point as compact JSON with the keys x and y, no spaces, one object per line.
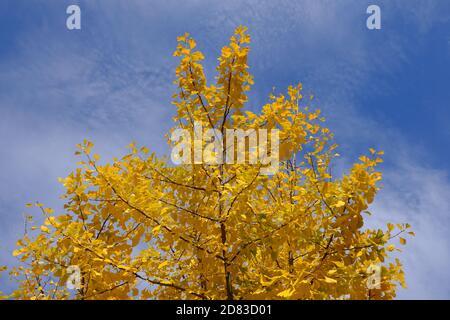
{"x":141,"y":228}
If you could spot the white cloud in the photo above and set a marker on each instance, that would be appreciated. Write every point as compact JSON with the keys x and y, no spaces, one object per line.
{"x":111,"y":83}
{"x":419,"y":196}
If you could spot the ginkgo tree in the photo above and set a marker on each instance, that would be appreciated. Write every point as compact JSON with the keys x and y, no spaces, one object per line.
{"x":143,"y":228}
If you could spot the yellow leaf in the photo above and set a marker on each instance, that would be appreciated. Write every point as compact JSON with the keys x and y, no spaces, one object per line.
{"x":45,"y":229}
{"x":266,"y":283}
{"x":123,"y":267}
{"x":339,"y":204}
{"x":286,"y":293}
{"x":339,"y":264}
{"x":17,"y":253}
{"x":332,"y":271}
{"x":330,"y":280}
{"x":402,"y":241}
{"x":390,"y":247}
{"x":163,"y":264}
{"x":50,"y":221}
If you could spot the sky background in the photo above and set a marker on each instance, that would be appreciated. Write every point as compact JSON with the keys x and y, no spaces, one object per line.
{"x":111,"y":82}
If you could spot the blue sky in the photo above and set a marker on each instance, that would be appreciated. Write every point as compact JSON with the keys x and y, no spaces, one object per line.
{"x":111,"y":83}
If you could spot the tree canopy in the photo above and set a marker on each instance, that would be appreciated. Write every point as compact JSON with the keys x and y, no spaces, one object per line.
{"x":141,"y":227}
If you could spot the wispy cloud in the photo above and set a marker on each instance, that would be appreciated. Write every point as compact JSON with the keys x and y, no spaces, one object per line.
{"x":419,"y":195}
{"x":111,"y":83}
